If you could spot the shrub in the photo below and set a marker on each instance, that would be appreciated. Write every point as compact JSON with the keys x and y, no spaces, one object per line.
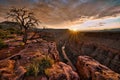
{"x":11,"y":30}
{"x":10,"y":36}
{"x":44,"y":64}
{"x":2,"y":44}
{"x":14,"y":31}
{"x":47,"y":72}
{"x":32,"y":69}
{"x":21,"y":44}
{"x":38,"y":66}
{"x":3,"y":34}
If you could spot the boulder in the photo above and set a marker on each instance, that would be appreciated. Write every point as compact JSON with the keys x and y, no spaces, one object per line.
{"x":20,"y":73}
{"x":7,"y":69}
{"x":61,"y":71}
{"x":89,"y":69}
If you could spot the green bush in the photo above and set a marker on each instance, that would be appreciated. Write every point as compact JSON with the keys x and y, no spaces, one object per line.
{"x":3,"y":34}
{"x":14,"y":31}
{"x":7,"y":33}
{"x":2,"y":44}
{"x":44,"y":64}
{"x":38,"y":66}
{"x":11,"y":30}
{"x":10,"y":36}
{"x":32,"y":69}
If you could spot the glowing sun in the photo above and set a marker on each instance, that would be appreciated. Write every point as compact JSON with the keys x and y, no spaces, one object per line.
{"x":74,"y":29}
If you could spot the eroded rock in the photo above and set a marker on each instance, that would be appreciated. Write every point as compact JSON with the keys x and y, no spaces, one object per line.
{"x":61,"y":71}
{"x":14,"y":67}
{"x":89,"y":69}
{"x":20,"y":72}
{"x":7,"y":69}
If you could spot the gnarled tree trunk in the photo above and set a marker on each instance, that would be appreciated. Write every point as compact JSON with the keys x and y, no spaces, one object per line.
{"x":25,"y":36}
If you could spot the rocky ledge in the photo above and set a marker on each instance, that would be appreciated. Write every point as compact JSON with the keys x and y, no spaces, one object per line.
{"x":89,"y":69}
{"x":38,"y":61}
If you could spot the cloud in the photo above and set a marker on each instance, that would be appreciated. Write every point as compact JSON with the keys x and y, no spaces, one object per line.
{"x":58,"y":11}
{"x":55,"y":12}
{"x":98,"y":24}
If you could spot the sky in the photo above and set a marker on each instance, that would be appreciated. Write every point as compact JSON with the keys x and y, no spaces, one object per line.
{"x":72,"y":14}
{"x":98,"y":24}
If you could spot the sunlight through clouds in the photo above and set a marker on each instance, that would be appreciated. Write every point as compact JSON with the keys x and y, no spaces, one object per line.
{"x":69,"y":13}
{"x":98,"y":24}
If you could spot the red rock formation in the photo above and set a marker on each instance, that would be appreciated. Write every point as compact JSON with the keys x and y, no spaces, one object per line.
{"x":13,"y":68}
{"x":61,"y":71}
{"x":7,"y":70}
{"x":89,"y":69}
{"x":35,"y":50}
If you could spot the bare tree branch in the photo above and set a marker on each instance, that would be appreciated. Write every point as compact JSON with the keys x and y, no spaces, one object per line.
{"x":24,"y":18}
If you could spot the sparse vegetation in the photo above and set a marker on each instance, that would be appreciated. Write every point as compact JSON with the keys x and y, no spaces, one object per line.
{"x":2,"y":44}
{"x":33,"y":69}
{"x":8,"y":33}
{"x":14,"y":31}
{"x":3,"y":34}
{"x":38,"y":66}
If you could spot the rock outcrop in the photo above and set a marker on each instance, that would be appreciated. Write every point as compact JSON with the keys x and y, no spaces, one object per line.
{"x":14,"y":67}
{"x":89,"y":69}
{"x":61,"y":71}
{"x":7,"y":70}
{"x":36,"y":50}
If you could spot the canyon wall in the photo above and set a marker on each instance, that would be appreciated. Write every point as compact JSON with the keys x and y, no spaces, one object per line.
{"x":103,"y":47}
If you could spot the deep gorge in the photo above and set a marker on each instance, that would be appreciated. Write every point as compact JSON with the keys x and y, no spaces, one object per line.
{"x":90,"y":44}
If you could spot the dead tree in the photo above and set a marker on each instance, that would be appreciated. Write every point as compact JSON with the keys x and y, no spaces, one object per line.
{"x":24,"y":18}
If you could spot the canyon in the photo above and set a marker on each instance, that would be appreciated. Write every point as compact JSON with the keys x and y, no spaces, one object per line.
{"x":95,"y":44}
{"x":65,"y":56}
{"x":101,"y":46}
